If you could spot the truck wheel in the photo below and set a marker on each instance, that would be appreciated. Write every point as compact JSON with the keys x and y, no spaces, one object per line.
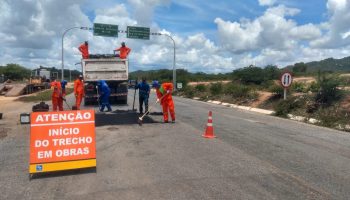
{"x":86,"y":102}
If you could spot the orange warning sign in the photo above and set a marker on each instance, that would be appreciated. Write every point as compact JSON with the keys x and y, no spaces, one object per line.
{"x":56,"y":137}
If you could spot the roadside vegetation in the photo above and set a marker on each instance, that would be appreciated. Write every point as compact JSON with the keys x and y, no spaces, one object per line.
{"x":44,"y":95}
{"x":324,"y":96}
{"x":18,"y":73}
{"x":320,"y":90}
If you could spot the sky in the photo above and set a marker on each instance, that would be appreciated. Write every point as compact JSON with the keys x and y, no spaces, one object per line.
{"x":210,"y":36}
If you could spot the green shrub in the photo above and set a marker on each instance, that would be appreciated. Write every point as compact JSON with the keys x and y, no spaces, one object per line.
{"x":276,"y":90}
{"x":328,"y":91}
{"x":189,"y":91}
{"x":256,"y":75}
{"x":216,"y":89}
{"x":333,"y":116}
{"x":314,"y":87}
{"x":253,"y":94}
{"x":284,"y":107}
{"x":298,"y":87}
{"x":201,"y":88}
{"x":267,"y":84}
{"x":237,"y":91}
{"x":249,"y":74}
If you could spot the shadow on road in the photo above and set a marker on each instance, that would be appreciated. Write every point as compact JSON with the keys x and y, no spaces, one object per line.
{"x":63,"y":173}
{"x":120,"y":117}
{"x":156,"y":113}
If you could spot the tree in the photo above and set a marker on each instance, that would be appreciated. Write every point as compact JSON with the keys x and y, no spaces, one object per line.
{"x":249,"y":74}
{"x":15,"y":72}
{"x":271,"y":72}
{"x":328,"y":89}
{"x":300,"y":67}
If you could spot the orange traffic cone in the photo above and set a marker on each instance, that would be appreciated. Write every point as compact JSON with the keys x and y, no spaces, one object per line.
{"x":209,"y":131}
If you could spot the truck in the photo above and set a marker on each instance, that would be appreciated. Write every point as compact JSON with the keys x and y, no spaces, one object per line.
{"x":113,"y":70}
{"x":41,"y":75}
{"x":40,"y":79}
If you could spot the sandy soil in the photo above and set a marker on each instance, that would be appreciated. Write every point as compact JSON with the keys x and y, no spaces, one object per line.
{"x":344,"y":75}
{"x":345,"y":103}
{"x":304,"y":79}
{"x":263,"y":96}
{"x":11,"y":110}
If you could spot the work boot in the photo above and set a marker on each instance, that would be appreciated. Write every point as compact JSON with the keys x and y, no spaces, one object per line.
{"x":109,"y":108}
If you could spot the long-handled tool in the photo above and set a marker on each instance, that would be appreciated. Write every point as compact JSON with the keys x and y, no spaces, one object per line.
{"x":139,"y":121}
{"x":133,"y":103}
{"x":64,"y":99}
{"x":98,"y":99}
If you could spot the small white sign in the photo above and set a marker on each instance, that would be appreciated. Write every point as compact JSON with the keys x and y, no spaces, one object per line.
{"x":179,"y":85}
{"x":286,"y":79}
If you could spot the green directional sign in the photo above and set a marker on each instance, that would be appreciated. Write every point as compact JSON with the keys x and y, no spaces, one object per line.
{"x":138,"y":32}
{"x":107,"y":30}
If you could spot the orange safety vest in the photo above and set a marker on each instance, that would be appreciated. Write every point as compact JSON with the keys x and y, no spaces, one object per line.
{"x":57,"y":89}
{"x":162,"y":91}
{"x":84,"y":49}
{"x":124,"y":52}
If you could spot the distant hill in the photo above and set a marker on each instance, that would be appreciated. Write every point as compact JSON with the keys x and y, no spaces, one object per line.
{"x":182,"y":75}
{"x":329,"y":64}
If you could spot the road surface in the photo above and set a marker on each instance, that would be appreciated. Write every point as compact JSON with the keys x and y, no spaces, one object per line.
{"x":253,"y":157}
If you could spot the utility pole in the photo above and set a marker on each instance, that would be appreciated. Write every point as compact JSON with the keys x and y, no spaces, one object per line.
{"x":174,"y":61}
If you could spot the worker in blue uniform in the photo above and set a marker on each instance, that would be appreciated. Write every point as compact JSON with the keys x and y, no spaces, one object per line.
{"x":104,"y":93}
{"x":144,"y":90}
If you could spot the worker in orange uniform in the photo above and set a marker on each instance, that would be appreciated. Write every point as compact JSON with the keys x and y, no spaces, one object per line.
{"x":56,"y":95}
{"x":84,"y":49}
{"x":79,"y":91}
{"x":124,"y":51}
{"x":164,"y":92}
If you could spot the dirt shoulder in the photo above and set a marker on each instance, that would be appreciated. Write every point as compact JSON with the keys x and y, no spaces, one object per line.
{"x":11,"y":110}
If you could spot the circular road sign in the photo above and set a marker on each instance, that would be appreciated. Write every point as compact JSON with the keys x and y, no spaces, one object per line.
{"x":286,"y":79}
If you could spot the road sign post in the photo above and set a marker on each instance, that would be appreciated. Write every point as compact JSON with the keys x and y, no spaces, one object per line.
{"x":107,"y":30}
{"x":179,"y":86}
{"x":135,"y":32}
{"x":286,"y":81}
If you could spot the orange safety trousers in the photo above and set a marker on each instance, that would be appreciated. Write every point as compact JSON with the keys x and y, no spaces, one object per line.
{"x":57,"y":103}
{"x":168,"y":106}
{"x":78,"y":99}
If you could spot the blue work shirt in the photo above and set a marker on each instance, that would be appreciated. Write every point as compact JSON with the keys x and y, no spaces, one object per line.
{"x":63,"y":84}
{"x":144,"y":89}
{"x":104,"y":90}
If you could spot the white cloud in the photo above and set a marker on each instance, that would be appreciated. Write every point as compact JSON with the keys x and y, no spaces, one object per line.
{"x":143,"y":10}
{"x":267,"y":2}
{"x":117,"y":14}
{"x":31,"y":33}
{"x":305,"y":32}
{"x":337,"y":27}
{"x":271,"y":30}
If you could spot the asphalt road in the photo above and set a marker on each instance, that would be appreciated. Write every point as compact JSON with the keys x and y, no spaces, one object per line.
{"x":253,"y":157}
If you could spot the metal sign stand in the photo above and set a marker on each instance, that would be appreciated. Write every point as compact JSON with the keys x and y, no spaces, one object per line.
{"x":286,"y":81}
